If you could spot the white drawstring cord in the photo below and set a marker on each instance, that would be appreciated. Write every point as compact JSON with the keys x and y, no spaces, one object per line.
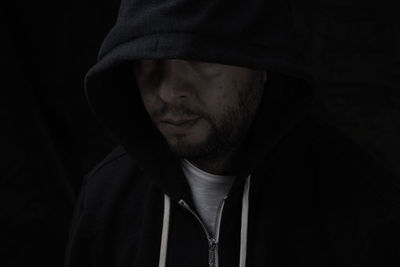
{"x":243,"y":230}
{"x":165,"y":229}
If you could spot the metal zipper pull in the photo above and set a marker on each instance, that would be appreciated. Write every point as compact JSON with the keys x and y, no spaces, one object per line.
{"x":212,"y":248}
{"x":212,"y":243}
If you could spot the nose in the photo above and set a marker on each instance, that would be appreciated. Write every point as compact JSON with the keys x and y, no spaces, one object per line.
{"x":175,"y":85}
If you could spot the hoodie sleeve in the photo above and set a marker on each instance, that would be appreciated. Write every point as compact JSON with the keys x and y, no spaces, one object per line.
{"x":87,"y":224}
{"x":383,"y":246}
{"x":78,"y":246}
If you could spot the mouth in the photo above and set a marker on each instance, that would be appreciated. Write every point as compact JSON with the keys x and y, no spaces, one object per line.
{"x":178,"y":125}
{"x":177,"y":122}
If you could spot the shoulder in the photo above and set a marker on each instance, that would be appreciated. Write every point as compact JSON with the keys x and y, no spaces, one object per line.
{"x":117,"y":155}
{"x":339,"y":162}
{"x":351,"y":181}
{"x":110,"y":178}
{"x":117,"y":163}
{"x":355,"y":188}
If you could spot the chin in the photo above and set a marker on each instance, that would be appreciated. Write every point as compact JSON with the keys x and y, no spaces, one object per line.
{"x":192,"y":143}
{"x":188,"y":149}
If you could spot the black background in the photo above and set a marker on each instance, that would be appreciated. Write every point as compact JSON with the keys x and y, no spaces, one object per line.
{"x":49,"y":139}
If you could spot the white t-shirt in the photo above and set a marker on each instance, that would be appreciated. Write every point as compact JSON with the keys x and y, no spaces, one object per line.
{"x":208,"y":192}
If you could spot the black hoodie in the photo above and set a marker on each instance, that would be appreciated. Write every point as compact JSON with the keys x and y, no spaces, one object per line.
{"x":304,"y":194}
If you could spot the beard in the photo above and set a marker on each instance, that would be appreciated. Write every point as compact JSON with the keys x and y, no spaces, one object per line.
{"x":223,"y":136}
{"x":225,"y":133}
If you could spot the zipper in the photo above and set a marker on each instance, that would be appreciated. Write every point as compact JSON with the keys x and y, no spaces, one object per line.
{"x":212,"y":242}
{"x":218,"y":219}
{"x":212,"y":250}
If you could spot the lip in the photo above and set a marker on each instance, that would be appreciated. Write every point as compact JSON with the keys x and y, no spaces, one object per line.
{"x":178,"y":124}
{"x":178,"y":121}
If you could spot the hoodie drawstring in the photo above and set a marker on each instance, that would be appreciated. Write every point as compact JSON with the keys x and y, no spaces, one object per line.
{"x":244,"y":225}
{"x":243,"y":229}
{"x":164,"y":234}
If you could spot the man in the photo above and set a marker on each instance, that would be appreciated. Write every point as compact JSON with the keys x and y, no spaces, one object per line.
{"x":223,"y":161}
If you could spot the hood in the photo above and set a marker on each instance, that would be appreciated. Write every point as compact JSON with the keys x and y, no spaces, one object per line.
{"x":256,"y":34}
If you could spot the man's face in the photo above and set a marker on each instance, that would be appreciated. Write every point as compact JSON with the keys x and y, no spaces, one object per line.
{"x":202,"y":109}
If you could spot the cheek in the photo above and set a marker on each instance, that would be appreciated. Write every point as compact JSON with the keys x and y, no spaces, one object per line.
{"x":149,"y":101}
{"x":225,"y":95}
{"x":213,"y":100}
{"x":219,"y":110}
